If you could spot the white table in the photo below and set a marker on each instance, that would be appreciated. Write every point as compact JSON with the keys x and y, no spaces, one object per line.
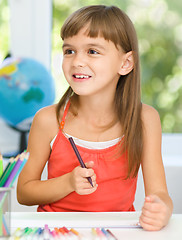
{"x":113,"y":220}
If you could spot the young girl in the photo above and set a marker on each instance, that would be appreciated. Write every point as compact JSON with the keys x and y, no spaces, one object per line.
{"x":102,"y":111}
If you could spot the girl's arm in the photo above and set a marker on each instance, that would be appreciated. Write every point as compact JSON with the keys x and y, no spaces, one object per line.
{"x":158,"y":206}
{"x":30,"y":189}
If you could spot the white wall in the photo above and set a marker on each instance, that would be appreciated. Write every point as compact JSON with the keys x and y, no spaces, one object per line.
{"x":30,"y":28}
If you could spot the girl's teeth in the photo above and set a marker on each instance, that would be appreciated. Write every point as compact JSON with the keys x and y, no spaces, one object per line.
{"x":81,"y":76}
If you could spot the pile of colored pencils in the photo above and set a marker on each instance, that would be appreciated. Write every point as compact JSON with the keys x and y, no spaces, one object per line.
{"x":12,"y":170}
{"x":7,"y":178}
{"x":63,"y":233}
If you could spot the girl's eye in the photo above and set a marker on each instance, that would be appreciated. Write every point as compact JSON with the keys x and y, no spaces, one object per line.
{"x":68,"y":51}
{"x":91,"y":51}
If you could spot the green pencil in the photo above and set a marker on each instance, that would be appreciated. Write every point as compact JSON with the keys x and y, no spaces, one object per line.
{"x":7,"y":166}
{"x":8,"y":171}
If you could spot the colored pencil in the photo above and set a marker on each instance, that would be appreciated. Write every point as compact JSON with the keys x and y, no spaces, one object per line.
{"x":75,"y":232}
{"x":79,"y":157}
{"x":13,"y":169}
{"x":13,"y":173}
{"x":45,"y":233}
{"x":7,"y":173}
{"x":24,"y":158}
{"x":101,"y":234}
{"x":10,"y":173}
{"x":107,"y":234}
{"x":7,"y":166}
{"x":111,"y":234}
{"x":1,"y":165}
{"x":5,"y":226}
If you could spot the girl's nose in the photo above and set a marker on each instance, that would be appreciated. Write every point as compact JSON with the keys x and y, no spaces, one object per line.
{"x":79,"y":60}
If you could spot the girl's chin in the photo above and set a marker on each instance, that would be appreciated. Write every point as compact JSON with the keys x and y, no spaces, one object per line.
{"x":82,"y":92}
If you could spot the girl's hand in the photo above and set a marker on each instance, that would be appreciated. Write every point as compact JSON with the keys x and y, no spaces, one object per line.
{"x":79,"y":181}
{"x":155,"y":214}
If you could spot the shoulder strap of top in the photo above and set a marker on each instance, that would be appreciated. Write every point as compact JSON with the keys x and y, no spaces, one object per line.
{"x":64,"y":115}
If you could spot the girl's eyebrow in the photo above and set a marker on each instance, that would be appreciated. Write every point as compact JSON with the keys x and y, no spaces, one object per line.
{"x":87,"y":45}
{"x":66,"y":45}
{"x":97,"y":45}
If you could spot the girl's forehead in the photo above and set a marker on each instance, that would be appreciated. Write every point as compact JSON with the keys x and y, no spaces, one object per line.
{"x":84,"y":33}
{"x":83,"y":37}
{"x":87,"y":32}
{"x":87,"y":29}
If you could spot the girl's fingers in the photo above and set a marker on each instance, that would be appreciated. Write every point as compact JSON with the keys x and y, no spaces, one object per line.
{"x":89,"y":164}
{"x":153,"y":204}
{"x":86,"y":184}
{"x":80,"y":179}
{"x":148,"y":226}
{"x":154,"y":207}
{"x":158,"y":219}
{"x":84,"y":172}
{"x":87,"y":190}
{"x":153,"y":219}
{"x":154,"y":214}
{"x":153,"y":199}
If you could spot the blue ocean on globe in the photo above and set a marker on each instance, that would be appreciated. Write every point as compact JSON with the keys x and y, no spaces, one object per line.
{"x":25,"y":87}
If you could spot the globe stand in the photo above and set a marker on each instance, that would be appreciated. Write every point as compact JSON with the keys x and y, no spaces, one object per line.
{"x":22,"y":143}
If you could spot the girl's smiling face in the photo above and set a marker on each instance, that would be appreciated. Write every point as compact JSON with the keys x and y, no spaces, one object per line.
{"x":91,"y":65}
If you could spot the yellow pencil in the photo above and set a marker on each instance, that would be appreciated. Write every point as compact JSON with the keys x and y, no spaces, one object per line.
{"x":74,"y":231}
{"x":1,"y":164}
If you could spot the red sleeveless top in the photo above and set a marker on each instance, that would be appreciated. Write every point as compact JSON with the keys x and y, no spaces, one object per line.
{"x":114,"y":192}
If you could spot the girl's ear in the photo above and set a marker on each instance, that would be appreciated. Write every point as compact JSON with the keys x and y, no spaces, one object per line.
{"x":127,"y":64}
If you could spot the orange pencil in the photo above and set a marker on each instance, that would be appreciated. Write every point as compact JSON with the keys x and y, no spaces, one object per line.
{"x":61,"y":230}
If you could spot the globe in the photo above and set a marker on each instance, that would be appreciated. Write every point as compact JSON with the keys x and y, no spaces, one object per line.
{"x":25,"y":87}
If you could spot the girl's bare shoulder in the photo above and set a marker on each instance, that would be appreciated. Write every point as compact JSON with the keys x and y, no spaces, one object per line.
{"x":150,"y":116}
{"x":46,"y":114}
{"x":45,"y":119}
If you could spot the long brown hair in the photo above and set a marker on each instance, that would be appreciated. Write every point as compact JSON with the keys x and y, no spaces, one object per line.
{"x":113,"y":24}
